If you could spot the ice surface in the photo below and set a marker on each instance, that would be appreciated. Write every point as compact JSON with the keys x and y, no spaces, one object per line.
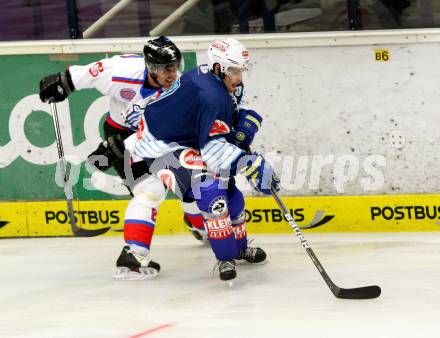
{"x":62,"y":287}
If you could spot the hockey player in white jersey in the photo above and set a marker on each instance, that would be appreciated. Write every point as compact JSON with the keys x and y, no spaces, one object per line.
{"x":198,"y":113}
{"x":131,"y":81}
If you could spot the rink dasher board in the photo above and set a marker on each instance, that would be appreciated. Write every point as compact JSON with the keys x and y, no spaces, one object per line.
{"x":378,"y":213}
{"x":384,"y":127}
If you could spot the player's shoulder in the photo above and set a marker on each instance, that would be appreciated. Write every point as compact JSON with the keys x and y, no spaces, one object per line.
{"x":130,"y":66}
{"x":199,"y":76}
{"x":191,"y":77}
{"x":200,"y":83}
{"x":190,"y":82}
{"x":129,"y":60}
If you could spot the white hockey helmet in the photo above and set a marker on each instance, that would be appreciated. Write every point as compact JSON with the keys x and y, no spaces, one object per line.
{"x":228,"y":52}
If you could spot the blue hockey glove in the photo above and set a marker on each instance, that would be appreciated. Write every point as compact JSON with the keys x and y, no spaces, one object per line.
{"x":260,"y":174}
{"x":246,"y":127}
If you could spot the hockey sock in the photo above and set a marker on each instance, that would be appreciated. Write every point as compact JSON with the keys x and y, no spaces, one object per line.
{"x":193,"y":215}
{"x":214,"y":207}
{"x":238,"y":216}
{"x":240,"y":235}
{"x":139,"y":223}
{"x":221,"y":237}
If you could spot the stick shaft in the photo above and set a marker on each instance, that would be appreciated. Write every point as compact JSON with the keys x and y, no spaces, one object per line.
{"x":76,"y":230}
{"x":62,"y":160}
{"x":304,"y":242}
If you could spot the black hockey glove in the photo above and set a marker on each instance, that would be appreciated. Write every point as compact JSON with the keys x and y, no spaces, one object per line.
{"x":56,"y":87}
{"x":246,"y":127}
{"x":107,"y":153}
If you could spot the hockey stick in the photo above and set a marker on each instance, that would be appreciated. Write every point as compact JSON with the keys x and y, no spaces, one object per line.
{"x":366,"y":292}
{"x":76,"y":230}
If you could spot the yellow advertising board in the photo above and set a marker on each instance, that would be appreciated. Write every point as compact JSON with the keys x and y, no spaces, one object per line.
{"x":13,"y":220}
{"x":385,"y":213}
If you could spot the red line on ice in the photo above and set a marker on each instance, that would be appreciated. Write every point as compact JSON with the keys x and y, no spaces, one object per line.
{"x":154,"y":329}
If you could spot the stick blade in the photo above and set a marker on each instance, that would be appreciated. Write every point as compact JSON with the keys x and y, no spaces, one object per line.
{"x":79,"y":232}
{"x":366,"y":292}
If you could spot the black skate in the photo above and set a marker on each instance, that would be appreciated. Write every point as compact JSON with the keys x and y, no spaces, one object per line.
{"x":227,"y":270}
{"x":134,"y":266}
{"x":252,"y":255}
{"x":200,"y":235}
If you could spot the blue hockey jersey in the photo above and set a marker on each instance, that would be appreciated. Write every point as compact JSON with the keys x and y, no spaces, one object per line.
{"x":197,"y":112}
{"x":188,"y":113}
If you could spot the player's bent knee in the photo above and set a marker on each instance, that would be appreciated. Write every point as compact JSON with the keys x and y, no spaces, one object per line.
{"x":150,"y":192}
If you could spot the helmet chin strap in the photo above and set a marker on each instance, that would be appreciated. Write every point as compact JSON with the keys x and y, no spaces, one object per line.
{"x":154,"y":78}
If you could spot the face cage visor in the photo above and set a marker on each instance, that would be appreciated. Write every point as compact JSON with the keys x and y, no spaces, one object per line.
{"x":235,"y":72}
{"x":156,"y":68}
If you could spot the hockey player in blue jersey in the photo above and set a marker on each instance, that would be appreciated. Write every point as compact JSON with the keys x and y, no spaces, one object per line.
{"x":198,"y":114}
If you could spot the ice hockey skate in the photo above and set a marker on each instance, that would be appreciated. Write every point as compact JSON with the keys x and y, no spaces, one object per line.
{"x":252,"y":255}
{"x":134,"y":266}
{"x":227,"y":271}
{"x":199,"y":234}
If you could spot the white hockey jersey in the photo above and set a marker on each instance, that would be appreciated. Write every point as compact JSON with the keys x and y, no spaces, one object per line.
{"x":122,"y":77}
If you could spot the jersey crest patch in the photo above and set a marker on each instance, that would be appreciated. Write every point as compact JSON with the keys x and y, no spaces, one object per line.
{"x":96,"y":69}
{"x":191,"y":159}
{"x":127,"y":94}
{"x":219,"y":128}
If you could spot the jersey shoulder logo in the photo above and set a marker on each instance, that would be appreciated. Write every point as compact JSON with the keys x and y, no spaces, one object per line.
{"x":96,"y":69}
{"x":204,"y":69}
{"x":191,"y":159}
{"x":219,"y":128}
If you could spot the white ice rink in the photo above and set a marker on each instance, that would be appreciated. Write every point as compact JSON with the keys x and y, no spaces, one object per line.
{"x":62,"y":287}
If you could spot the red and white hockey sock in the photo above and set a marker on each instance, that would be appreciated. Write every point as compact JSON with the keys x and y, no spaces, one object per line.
{"x":139,"y":224}
{"x":193,"y":215}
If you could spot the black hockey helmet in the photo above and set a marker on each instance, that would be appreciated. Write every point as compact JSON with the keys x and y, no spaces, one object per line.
{"x":160,"y":53}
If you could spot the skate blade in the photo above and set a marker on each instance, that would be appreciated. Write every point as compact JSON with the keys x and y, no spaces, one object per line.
{"x":230,"y":283}
{"x":243,"y":262}
{"x":123,"y":273}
